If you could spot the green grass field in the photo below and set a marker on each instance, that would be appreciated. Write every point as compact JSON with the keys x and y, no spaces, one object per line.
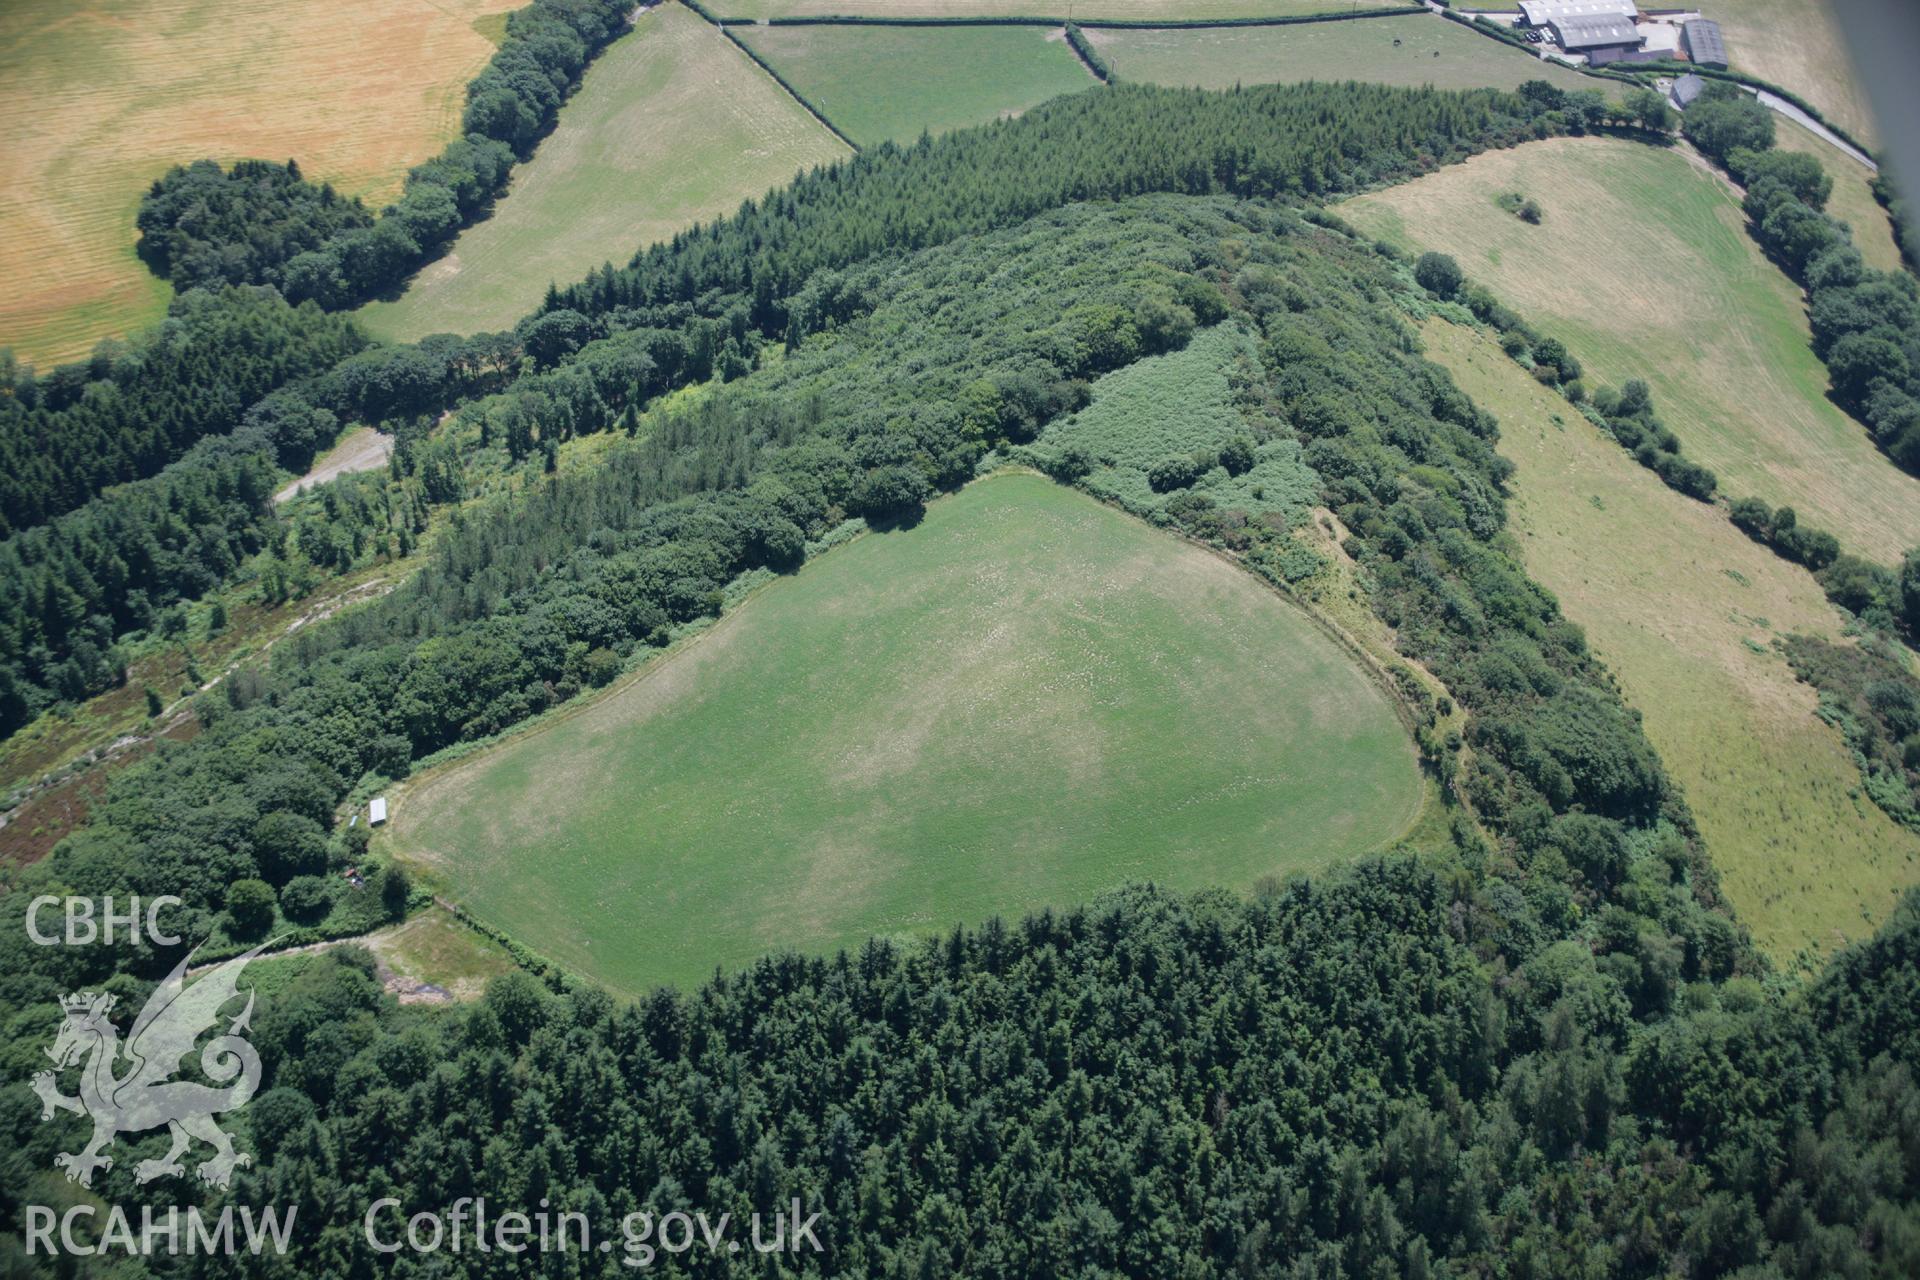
{"x":1085,"y":10}
{"x":1416,"y":50}
{"x":673,"y":125}
{"x":1025,"y":699}
{"x":1673,"y":598}
{"x":1644,"y":268}
{"x":877,"y":83}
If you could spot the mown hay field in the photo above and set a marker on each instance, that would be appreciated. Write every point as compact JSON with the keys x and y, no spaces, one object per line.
{"x":1643,"y":267}
{"x":877,"y":83}
{"x":1025,"y":699}
{"x":101,"y":99}
{"x":1419,"y":49}
{"x":1684,"y":608}
{"x":671,"y":125}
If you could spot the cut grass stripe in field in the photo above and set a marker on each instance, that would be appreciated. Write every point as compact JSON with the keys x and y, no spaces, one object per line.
{"x":877,"y":82}
{"x":1683,"y":608}
{"x":1643,"y":267}
{"x":671,"y":126}
{"x":1418,"y":49}
{"x":1024,"y":700}
{"x":100,"y":99}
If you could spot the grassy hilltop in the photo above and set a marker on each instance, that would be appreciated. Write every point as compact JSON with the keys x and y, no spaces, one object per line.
{"x":1024,"y":700}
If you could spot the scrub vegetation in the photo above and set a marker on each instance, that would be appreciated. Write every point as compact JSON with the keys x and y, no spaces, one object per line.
{"x":1199,"y":416}
{"x":1538,"y":1042}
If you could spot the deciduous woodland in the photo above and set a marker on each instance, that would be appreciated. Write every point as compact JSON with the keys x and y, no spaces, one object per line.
{"x":1534,"y":1042}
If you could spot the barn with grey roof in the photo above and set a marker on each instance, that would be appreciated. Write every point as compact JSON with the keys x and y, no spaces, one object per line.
{"x":1686,"y":89}
{"x":1538,"y":13}
{"x":1602,"y":38}
{"x":1701,"y":36}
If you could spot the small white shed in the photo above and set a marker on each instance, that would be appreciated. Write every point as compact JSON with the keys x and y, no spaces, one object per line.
{"x":377,"y":811}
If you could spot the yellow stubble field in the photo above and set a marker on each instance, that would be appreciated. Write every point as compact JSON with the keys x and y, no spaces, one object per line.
{"x":102,"y":96}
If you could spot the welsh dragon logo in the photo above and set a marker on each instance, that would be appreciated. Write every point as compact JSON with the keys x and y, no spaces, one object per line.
{"x":131,"y":1088}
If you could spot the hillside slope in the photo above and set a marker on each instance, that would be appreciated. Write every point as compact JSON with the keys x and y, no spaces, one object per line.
{"x":671,"y":125}
{"x":1685,"y":609}
{"x":1535,"y":1042}
{"x":1643,"y":267}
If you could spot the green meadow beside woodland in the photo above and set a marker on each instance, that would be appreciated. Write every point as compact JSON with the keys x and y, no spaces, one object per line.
{"x":880,"y":83}
{"x":975,"y":716}
{"x":1010,"y":694}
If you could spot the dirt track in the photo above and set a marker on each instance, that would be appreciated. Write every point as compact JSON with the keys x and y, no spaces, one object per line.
{"x":363,"y":449}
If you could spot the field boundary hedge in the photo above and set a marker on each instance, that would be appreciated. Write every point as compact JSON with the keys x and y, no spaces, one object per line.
{"x":558,"y":977}
{"x":1644,"y":73}
{"x":1046,"y":20}
{"x":786,"y":84}
{"x":1278,"y":20}
{"x":1671,"y":68}
{"x":1103,"y":70}
{"x":509,"y":107}
{"x":1657,"y":448}
{"x":1088,"y":55}
{"x":882,"y":20}
{"x":1504,"y":35}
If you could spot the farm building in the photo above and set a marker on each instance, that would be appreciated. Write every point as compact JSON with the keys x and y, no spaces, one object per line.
{"x":1540,"y":13}
{"x":1686,"y":89}
{"x":377,"y":811}
{"x":1602,"y":38}
{"x":1701,"y":36}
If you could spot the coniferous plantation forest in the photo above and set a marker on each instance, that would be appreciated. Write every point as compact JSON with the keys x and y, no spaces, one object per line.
{"x":983,"y":715}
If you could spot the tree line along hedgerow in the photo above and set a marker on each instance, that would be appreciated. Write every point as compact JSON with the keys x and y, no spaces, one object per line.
{"x":1415,"y":1059}
{"x":699,"y":305}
